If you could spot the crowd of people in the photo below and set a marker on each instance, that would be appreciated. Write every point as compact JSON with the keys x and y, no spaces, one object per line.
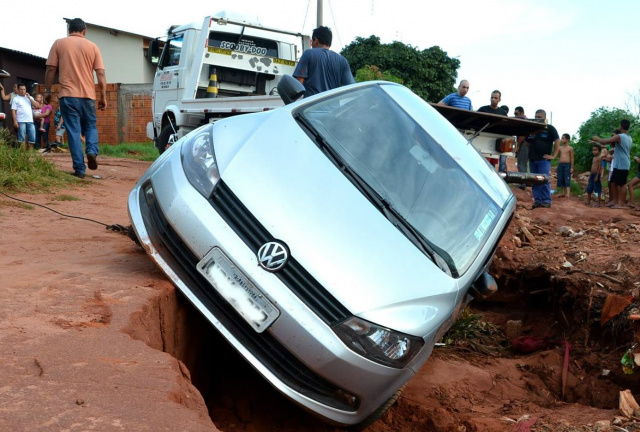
{"x":31,"y":118}
{"x":535,"y":152}
{"x":74,"y":59}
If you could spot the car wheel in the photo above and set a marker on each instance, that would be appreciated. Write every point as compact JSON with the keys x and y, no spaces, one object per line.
{"x":377,"y":413}
{"x":167,"y":138}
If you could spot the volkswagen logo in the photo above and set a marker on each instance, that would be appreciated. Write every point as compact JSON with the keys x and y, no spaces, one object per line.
{"x":273,"y":256}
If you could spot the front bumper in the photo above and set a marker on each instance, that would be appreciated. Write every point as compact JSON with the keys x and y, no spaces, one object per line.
{"x":298,"y":354}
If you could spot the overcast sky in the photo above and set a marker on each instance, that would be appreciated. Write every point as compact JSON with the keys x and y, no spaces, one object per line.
{"x":567,"y":57}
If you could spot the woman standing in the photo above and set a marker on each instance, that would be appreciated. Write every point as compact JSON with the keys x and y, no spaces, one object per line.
{"x":42,"y":132}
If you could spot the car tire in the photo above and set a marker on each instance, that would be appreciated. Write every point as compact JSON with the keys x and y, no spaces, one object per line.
{"x":165,"y":138}
{"x":378,"y":413}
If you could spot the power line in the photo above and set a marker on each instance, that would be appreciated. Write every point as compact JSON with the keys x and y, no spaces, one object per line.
{"x":305,"y":16}
{"x":335,"y":24}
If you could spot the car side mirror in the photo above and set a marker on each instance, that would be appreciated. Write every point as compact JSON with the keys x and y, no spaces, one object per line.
{"x":290,"y":89}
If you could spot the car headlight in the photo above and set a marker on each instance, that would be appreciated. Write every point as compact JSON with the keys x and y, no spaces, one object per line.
{"x":379,"y":344}
{"x":199,"y":160}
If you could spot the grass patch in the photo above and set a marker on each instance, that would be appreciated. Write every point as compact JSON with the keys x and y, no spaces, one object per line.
{"x":26,"y":171}
{"x":64,"y":197}
{"x":470,"y":333}
{"x":16,"y":204}
{"x":138,"y":151}
{"x":576,"y":189}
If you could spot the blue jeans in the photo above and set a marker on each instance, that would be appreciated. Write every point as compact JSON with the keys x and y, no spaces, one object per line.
{"x":41,"y":135}
{"x":79,"y":116}
{"x":541,"y":193}
{"x":564,"y":175}
{"x":26,"y":130}
{"x":502,"y":163}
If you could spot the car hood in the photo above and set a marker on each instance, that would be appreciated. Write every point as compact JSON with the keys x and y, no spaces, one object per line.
{"x":340,"y":238}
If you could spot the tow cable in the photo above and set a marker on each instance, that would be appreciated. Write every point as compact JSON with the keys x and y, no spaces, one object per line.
{"x":126,"y":230}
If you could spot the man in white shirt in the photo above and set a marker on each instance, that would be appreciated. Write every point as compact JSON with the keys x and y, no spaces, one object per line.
{"x":21,"y":109}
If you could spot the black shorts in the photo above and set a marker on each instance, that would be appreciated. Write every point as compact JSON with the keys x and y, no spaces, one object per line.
{"x":619,"y":177}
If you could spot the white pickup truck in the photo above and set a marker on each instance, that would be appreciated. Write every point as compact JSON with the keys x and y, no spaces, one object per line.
{"x":494,"y":135}
{"x":220,"y":68}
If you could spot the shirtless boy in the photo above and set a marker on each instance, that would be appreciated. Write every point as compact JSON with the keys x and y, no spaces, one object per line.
{"x":565,"y":165}
{"x":595,"y":177}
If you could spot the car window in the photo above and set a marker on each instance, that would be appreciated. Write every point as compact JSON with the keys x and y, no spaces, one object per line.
{"x":394,"y":154}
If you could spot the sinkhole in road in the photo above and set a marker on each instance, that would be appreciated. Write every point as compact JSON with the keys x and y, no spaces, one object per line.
{"x":236,"y":395}
{"x":565,"y":309}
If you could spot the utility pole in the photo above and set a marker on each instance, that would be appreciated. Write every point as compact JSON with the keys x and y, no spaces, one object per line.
{"x":319,"y":13}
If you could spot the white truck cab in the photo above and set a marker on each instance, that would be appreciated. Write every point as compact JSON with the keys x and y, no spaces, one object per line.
{"x":220,"y":68}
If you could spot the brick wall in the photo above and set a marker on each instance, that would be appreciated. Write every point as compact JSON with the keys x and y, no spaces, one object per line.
{"x":126,"y":116}
{"x":135,"y":112}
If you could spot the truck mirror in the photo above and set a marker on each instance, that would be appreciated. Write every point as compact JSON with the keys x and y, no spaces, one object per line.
{"x":290,"y":89}
{"x":153,"y":51}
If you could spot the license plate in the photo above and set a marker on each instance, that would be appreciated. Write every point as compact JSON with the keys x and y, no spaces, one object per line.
{"x":238,"y":290}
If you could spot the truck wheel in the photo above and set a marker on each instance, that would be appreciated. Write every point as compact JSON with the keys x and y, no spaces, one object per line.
{"x":377,"y":413}
{"x":166,"y":139}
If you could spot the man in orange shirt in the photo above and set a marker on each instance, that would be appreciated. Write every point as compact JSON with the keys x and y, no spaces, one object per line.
{"x":75,"y":58}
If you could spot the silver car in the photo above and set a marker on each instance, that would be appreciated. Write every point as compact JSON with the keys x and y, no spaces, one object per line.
{"x":332,"y":241}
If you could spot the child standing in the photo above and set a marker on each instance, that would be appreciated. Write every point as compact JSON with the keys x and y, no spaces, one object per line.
{"x":37,"y":111}
{"x":595,"y":178}
{"x":565,"y":165}
{"x":58,"y":123}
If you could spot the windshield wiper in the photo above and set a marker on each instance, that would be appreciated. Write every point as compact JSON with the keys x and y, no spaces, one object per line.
{"x":441,"y":258}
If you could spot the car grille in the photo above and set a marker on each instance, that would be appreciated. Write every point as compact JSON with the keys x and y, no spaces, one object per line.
{"x":263,"y":346}
{"x":293,"y":275}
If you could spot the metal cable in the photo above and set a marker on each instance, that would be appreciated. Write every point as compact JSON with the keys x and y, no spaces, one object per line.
{"x":115,"y":227}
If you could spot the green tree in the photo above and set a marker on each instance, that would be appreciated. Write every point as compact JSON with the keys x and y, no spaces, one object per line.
{"x":602,"y":123}
{"x":371,"y":73}
{"x":430,"y":73}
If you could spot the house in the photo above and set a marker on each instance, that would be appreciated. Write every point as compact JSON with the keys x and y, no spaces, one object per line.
{"x":123,"y":53}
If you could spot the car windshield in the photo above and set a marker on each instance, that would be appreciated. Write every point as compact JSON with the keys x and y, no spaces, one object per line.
{"x":389,"y":150}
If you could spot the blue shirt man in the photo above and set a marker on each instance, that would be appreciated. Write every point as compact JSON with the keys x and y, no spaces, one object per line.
{"x":541,"y":146}
{"x":321,"y":69}
{"x":459,"y":99}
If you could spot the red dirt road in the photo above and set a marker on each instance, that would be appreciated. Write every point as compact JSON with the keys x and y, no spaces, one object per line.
{"x":91,"y":332}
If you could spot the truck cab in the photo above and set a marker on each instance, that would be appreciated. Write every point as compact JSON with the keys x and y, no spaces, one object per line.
{"x":219,"y":68}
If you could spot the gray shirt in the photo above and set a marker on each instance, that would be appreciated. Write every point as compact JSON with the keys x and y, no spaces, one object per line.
{"x":621,"y":157}
{"x":322,"y":70}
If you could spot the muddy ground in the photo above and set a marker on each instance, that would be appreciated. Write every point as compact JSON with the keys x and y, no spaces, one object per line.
{"x":94,"y":337}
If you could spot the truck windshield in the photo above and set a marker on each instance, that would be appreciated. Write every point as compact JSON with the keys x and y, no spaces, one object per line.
{"x":244,"y":44}
{"x":391,"y":151}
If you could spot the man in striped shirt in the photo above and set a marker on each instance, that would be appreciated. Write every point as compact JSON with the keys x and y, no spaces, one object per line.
{"x":459,"y":99}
